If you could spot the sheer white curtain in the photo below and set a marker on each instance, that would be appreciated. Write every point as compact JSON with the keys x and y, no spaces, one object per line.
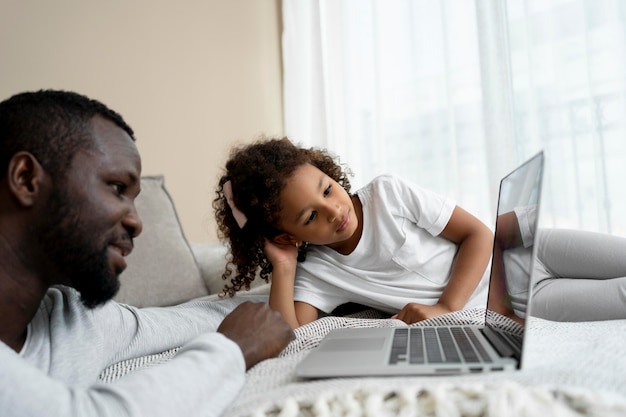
{"x":453,"y":94}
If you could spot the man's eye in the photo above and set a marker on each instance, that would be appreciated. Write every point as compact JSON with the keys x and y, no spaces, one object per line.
{"x":118,"y":188}
{"x":311,"y":217}
{"x":327,"y":191}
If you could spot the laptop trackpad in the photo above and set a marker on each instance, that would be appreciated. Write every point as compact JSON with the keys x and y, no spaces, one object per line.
{"x":356,"y":344}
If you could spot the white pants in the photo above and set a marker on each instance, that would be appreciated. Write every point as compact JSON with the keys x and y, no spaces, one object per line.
{"x":579,"y":276}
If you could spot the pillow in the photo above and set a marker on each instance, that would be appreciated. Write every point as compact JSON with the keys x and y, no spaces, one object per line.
{"x":161,"y":269}
{"x":211,"y":259}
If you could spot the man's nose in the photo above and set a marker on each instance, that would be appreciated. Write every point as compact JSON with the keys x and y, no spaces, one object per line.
{"x":133,"y":223}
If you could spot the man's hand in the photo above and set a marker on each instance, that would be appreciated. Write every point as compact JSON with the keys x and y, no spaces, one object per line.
{"x":414,"y":312}
{"x":259,"y":331}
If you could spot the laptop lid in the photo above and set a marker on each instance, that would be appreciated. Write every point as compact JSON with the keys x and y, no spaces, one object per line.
{"x":510,"y":286}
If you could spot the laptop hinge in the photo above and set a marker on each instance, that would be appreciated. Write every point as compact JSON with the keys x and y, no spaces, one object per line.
{"x":499,"y":343}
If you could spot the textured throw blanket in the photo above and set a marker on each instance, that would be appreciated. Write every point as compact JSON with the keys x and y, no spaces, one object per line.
{"x":569,"y":369}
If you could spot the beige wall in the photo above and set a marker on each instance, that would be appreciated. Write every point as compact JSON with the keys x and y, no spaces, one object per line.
{"x":190,"y":77}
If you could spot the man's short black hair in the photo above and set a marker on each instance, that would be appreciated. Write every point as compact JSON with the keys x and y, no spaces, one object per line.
{"x":53,"y":125}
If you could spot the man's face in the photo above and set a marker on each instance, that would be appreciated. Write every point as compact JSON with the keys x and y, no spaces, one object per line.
{"x":92,"y":217}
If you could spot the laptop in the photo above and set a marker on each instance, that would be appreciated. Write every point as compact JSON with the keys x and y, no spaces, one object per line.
{"x":495,"y":345}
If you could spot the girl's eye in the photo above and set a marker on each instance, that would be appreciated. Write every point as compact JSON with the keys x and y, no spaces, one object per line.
{"x":327,"y":191}
{"x":311,"y":218}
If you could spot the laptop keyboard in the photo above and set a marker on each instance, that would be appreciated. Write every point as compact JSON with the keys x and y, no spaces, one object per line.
{"x":417,"y":345}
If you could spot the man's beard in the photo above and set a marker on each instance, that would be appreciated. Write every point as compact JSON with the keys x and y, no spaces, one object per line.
{"x":72,"y":246}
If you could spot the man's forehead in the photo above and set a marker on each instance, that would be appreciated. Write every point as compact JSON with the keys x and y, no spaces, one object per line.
{"x":105,"y":127}
{"x":113,"y":146}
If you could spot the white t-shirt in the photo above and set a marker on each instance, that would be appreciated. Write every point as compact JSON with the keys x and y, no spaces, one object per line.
{"x":400,"y":258}
{"x":67,"y":347}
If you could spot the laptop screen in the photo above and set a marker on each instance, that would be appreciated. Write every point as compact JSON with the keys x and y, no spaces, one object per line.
{"x":514,"y":243}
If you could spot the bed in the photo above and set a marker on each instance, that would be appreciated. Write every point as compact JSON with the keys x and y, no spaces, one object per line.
{"x":569,"y":369}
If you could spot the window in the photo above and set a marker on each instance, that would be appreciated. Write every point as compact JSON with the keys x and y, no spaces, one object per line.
{"x":453,"y":94}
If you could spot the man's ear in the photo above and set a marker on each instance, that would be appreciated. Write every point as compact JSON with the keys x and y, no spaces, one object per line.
{"x":25,"y":178}
{"x":285,"y":239}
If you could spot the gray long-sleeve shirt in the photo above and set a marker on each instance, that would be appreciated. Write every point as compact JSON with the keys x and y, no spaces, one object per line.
{"x":68,"y":346}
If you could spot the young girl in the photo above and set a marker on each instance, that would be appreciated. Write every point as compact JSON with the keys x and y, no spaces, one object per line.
{"x":392,"y":245}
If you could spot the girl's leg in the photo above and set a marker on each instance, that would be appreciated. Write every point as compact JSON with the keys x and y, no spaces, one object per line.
{"x":580,"y":276}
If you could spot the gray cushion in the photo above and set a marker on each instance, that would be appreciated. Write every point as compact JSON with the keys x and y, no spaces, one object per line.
{"x":211,"y":259}
{"x":161,"y":269}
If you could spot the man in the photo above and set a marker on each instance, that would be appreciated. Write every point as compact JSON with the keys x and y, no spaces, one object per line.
{"x":69,"y":175}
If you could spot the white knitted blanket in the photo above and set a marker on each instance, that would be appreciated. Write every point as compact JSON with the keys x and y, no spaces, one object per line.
{"x":569,"y":369}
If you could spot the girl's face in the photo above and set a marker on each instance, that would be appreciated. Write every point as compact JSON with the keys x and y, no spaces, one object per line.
{"x":316,"y":209}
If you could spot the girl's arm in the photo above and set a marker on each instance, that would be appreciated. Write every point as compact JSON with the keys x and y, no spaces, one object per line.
{"x":284,"y":261}
{"x":475,"y":242}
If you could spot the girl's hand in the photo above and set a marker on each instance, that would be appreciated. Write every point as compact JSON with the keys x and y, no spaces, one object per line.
{"x":280,"y":255}
{"x":414,"y":312}
{"x":284,"y":259}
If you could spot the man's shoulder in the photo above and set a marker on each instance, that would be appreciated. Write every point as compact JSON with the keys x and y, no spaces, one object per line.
{"x":60,"y":298}
{"x":68,"y":298}
{"x":61,"y":294}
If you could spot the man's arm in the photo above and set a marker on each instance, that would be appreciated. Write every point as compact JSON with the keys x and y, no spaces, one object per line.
{"x":259,"y":331}
{"x":202,"y":379}
{"x":116,"y":332}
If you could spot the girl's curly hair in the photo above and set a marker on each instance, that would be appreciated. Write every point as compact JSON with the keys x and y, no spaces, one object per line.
{"x":257,"y":173}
